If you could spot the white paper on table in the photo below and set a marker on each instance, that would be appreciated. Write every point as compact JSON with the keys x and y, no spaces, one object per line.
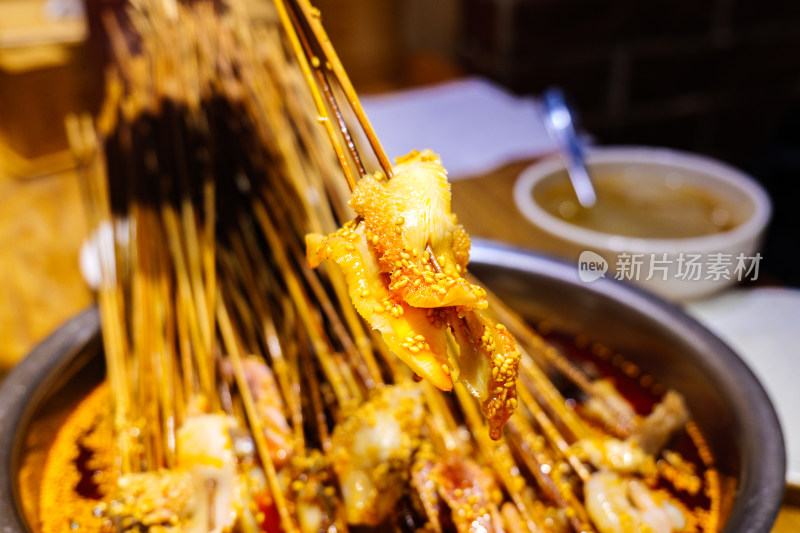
{"x":761,"y":326}
{"x":474,"y":125}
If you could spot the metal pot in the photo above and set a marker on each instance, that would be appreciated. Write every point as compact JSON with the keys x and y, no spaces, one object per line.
{"x":726,"y":400}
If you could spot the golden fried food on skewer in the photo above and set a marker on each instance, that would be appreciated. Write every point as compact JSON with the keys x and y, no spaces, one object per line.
{"x":407,"y":331}
{"x":404,"y":259}
{"x":407,"y":218}
{"x":247,"y":394}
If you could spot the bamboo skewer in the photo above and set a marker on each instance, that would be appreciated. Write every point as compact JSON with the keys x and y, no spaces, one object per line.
{"x":86,"y":152}
{"x":312,"y":16}
{"x":207,"y":127}
{"x":324,"y":117}
{"x":229,"y":338}
{"x":548,"y":394}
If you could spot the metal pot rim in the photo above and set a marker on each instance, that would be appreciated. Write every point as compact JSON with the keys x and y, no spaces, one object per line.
{"x":762,"y":480}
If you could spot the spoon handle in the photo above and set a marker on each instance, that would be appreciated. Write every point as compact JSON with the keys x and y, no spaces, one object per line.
{"x":560,"y":125}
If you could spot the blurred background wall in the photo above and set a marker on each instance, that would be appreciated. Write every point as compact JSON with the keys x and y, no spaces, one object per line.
{"x":718,"y":77}
{"x":713,"y":76}
{"x":386,"y":44}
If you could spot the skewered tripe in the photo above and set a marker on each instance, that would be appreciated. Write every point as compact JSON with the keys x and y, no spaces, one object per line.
{"x":404,"y":259}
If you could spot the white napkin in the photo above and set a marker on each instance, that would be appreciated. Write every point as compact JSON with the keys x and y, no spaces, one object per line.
{"x":474,"y":125}
{"x":761,"y":325}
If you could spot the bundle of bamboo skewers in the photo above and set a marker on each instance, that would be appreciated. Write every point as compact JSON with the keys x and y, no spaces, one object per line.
{"x":206,"y":167}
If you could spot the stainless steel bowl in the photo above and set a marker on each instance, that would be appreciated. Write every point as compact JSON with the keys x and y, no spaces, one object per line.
{"x":727,"y":401}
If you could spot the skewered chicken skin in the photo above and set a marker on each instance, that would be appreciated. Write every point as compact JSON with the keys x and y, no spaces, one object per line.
{"x":404,"y":259}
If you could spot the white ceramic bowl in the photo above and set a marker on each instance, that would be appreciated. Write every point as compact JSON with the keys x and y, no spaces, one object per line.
{"x":670,"y":275}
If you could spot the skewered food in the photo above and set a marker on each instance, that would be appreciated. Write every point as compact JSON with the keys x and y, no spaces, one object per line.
{"x":202,"y":493}
{"x":372,"y":452}
{"x":404,"y":260}
{"x":245,"y":392}
{"x":617,"y":505}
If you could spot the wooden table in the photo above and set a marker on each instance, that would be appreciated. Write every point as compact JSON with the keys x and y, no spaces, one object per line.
{"x":41,"y":230}
{"x":485,"y":206}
